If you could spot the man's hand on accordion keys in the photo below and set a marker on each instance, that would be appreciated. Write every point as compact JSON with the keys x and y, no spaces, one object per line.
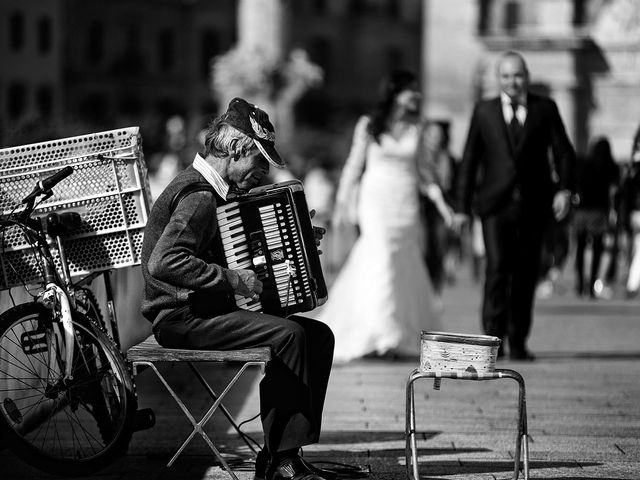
{"x":249,"y":285}
{"x":318,"y":232}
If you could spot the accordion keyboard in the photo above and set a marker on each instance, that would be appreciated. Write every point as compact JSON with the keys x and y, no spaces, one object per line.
{"x":263,"y":236}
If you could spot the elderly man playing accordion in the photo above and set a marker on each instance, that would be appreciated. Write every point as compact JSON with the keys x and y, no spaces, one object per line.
{"x":189,"y":294}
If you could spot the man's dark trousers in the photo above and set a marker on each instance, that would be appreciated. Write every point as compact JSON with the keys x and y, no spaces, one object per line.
{"x":513,"y":243}
{"x":293,"y":390}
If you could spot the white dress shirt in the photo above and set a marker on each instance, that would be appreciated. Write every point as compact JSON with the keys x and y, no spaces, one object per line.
{"x":507,"y":111}
{"x":208,"y":172}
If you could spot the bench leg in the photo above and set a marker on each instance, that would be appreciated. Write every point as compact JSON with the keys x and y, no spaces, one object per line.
{"x":224,"y":410}
{"x":198,"y":426}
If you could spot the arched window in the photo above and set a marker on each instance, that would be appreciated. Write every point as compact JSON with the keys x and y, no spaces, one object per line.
{"x":44,"y":35}
{"x":16,"y":100}
{"x":16,"y":31}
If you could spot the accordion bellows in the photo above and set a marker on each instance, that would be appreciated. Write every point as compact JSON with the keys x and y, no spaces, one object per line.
{"x":458,"y":352}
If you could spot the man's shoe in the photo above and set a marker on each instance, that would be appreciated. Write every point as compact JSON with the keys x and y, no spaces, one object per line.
{"x":291,"y":468}
{"x":522,"y":355}
{"x":326,"y":474}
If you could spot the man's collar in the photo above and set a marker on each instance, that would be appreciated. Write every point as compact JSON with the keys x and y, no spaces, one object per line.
{"x":209,"y":173}
{"x":506,"y":99}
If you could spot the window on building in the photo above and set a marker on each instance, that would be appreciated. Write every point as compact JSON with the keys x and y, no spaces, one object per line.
{"x":320,"y":53}
{"x":16,"y":100}
{"x":511,"y":16}
{"x":130,"y":61}
{"x":579,"y":13}
{"x":44,"y":101}
{"x":44,"y":35}
{"x":16,"y":31}
{"x":166,"y":50}
{"x":209,"y":48}
{"x":484,"y":16}
{"x":95,"y":43}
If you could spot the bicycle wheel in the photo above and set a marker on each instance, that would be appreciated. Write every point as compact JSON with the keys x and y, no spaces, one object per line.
{"x":62,"y":426}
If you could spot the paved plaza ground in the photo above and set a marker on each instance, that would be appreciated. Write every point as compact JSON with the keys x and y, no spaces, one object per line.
{"x":583,"y":401}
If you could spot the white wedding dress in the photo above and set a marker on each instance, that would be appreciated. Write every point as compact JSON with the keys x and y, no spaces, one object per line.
{"x":382,"y":297}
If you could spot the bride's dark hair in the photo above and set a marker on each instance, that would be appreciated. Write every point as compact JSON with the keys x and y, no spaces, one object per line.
{"x":396,"y":82}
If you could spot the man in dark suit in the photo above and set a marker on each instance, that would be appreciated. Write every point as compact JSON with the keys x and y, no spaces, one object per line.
{"x":517,"y":186}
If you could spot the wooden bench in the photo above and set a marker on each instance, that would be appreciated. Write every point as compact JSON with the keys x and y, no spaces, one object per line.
{"x":150,"y":352}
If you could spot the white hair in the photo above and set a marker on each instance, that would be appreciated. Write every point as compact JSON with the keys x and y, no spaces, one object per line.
{"x":221,"y":138}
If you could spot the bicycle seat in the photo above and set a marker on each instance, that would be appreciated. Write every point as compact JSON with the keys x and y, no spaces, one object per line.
{"x":61,"y":223}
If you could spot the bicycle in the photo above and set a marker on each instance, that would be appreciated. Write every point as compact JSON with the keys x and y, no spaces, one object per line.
{"x":67,"y":398}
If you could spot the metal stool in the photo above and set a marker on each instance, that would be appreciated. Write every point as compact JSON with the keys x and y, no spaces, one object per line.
{"x":411,"y":455}
{"x":149,"y":352}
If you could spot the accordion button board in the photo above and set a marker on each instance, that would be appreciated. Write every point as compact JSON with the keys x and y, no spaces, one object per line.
{"x":269,"y":231}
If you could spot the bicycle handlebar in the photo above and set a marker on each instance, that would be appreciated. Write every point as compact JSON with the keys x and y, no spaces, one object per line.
{"x":48,"y":183}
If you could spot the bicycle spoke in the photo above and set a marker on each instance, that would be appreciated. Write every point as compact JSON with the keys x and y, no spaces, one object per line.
{"x":20,"y":364}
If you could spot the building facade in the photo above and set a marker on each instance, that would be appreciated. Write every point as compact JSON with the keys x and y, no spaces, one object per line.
{"x":72,"y":66}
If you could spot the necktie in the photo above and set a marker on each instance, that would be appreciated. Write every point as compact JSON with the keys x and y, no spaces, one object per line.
{"x":515,"y":129}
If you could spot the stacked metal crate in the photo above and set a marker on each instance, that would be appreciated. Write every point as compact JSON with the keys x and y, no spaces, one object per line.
{"x":108,"y":187}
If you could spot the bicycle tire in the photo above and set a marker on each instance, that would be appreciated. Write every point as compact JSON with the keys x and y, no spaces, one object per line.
{"x":66,"y":428}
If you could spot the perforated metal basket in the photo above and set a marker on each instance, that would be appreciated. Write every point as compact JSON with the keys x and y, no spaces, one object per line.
{"x":109,"y":188}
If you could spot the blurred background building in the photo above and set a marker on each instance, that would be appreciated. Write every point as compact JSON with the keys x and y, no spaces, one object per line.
{"x":74,"y":66}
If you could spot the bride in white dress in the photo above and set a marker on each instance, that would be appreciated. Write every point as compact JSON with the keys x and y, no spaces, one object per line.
{"x":382,"y":297}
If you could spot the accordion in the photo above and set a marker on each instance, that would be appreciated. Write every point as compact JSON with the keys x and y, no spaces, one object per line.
{"x":269,"y":230}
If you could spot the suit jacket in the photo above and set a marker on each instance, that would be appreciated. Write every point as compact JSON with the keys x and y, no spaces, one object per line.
{"x":495,"y":170}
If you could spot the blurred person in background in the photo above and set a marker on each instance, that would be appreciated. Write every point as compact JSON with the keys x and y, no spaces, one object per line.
{"x":630,"y":213}
{"x":597,"y":179}
{"x":167,"y":164}
{"x":609,"y":265}
{"x":437,"y":165}
{"x":319,"y":190}
{"x":555,"y":250}
{"x":506,"y":172}
{"x":382,"y":297}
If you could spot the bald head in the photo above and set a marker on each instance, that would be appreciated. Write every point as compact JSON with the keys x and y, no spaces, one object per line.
{"x":513,"y":74}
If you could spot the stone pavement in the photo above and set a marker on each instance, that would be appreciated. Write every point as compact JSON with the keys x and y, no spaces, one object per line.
{"x":583,"y":400}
